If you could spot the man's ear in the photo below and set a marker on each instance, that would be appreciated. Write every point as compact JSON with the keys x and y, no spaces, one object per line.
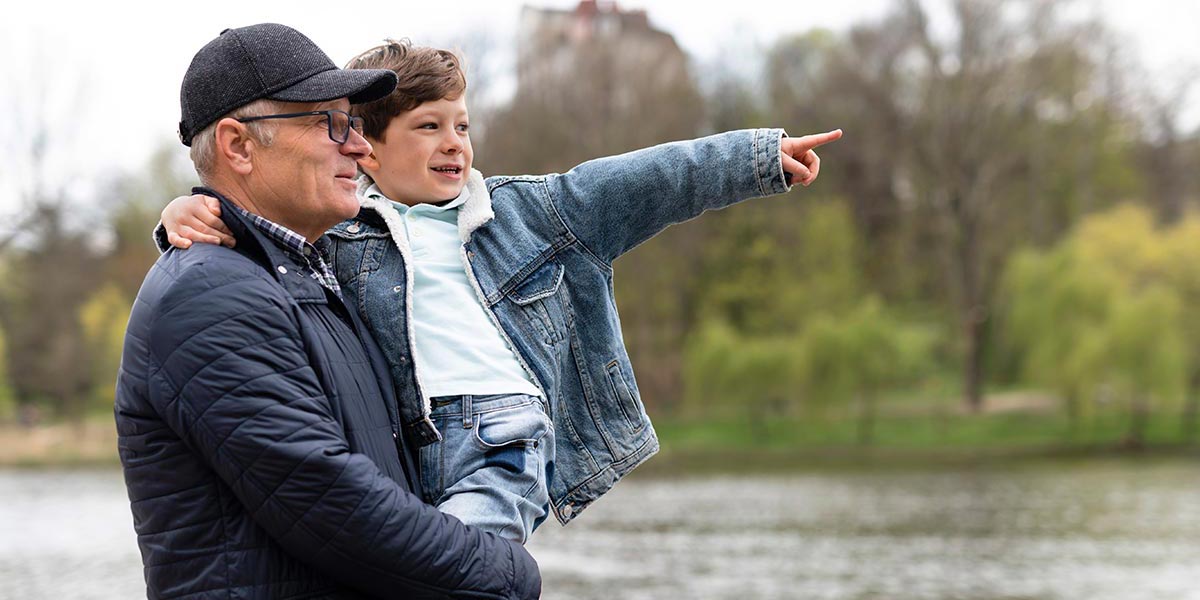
{"x":235,"y":143}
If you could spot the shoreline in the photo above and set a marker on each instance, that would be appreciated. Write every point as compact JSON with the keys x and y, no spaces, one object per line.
{"x":686,"y":449}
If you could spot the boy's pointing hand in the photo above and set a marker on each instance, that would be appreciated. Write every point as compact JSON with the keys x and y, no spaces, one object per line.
{"x":798,"y":157}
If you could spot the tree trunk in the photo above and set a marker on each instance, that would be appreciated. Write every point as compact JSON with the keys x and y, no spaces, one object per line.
{"x":974,"y":313}
{"x":866,"y":419}
{"x":1135,"y":438}
{"x":1191,"y":411}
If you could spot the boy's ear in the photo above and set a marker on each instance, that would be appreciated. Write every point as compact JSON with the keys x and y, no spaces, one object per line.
{"x":369,"y":163}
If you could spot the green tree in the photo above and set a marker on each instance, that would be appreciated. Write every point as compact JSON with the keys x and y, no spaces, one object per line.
{"x":8,"y":401}
{"x":999,"y":129}
{"x":1102,"y":313}
{"x":726,"y":373}
{"x":851,"y":359}
{"x":104,"y":318}
{"x":48,"y":281}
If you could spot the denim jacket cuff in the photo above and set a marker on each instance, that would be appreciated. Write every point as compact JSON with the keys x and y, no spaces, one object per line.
{"x":768,"y":164}
{"x":160,"y":238}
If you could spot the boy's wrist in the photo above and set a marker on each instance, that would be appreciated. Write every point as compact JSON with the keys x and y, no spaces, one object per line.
{"x":768,"y":161}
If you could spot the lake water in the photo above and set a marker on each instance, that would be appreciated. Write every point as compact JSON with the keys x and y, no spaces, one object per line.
{"x":1119,"y":530}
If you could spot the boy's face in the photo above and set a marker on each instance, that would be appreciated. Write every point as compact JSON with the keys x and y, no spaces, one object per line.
{"x":425,"y":155}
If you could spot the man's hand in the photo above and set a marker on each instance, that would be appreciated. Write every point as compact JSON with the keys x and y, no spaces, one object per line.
{"x":197,"y":218}
{"x":798,"y":157}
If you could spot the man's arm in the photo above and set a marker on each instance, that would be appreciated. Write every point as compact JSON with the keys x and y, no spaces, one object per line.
{"x":231,"y":378}
{"x":613,"y":204}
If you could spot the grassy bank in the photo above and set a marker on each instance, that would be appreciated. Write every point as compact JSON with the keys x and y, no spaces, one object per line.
{"x":1019,"y":432}
{"x":92,"y":442}
{"x":1013,"y":428}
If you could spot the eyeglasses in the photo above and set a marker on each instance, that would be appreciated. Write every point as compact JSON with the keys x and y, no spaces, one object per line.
{"x":339,"y":122}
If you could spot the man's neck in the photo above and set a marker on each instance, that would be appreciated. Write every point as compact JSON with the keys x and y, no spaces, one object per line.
{"x":239,"y":193}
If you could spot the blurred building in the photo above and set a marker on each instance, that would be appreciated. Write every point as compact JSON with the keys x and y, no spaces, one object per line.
{"x":616,"y":51}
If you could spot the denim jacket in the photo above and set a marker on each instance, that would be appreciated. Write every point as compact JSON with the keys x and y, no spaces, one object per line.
{"x":539,"y":252}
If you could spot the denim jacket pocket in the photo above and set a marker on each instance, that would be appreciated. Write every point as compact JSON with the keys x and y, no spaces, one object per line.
{"x":535,"y":296}
{"x":627,"y":402}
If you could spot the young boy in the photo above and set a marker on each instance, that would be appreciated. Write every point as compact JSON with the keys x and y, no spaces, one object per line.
{"x":493,"y":298}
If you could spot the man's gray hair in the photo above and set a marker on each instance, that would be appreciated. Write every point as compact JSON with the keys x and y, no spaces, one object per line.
{"x":204,"y":143}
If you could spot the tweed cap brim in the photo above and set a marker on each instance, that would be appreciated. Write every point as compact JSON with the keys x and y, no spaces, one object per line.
{"x":359,"y":85}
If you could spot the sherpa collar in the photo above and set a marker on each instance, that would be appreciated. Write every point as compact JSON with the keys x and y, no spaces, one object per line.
{"x":474,"y":212}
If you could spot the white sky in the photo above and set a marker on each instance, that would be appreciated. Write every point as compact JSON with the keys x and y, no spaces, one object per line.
{"x":111,"y":71}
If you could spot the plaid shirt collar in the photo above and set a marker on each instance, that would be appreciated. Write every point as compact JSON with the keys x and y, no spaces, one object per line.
{"x":298,"y":248}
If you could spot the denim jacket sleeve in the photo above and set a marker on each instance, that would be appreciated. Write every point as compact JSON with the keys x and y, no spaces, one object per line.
{"x":613,"y":204}
{"x":230,"y":377}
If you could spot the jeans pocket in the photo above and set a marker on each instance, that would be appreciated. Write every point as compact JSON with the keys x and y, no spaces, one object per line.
{"x":523,"y":425}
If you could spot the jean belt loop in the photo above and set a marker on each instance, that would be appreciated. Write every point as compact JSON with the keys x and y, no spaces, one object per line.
{"x":468,"y":418}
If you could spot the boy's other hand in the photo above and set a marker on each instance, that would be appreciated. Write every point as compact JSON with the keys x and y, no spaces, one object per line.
{"x":196,"y":218}
{"x":798,"y":157}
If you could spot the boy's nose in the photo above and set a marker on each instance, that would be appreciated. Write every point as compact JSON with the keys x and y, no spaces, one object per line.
{"x":453,"y":143}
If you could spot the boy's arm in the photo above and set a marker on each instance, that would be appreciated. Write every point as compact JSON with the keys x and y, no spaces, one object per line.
{"x":231,"y":378}
{"x":613,"y":204}
{"x":188,"y":219}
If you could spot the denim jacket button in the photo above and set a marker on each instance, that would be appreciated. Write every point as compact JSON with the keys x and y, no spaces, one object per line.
{"x":398,"y":289}
{"x":353,"y":228}
{"x":568,"y":510}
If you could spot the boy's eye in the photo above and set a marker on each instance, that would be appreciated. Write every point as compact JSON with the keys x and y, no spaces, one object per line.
{"x":463,"y":127}
{"x":427,"y":126}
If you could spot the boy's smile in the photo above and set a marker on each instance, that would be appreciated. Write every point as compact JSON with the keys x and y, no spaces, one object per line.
{"x":425,"y":153}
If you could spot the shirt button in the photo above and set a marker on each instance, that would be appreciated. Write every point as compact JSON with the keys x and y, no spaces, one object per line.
{"x":282,"y":269}
{"x":398,"y":289}
{"x":395,"y":436}
{"x":353,"y":228}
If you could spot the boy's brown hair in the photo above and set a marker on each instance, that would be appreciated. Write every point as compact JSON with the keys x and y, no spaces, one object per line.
{"x":425,"y":74}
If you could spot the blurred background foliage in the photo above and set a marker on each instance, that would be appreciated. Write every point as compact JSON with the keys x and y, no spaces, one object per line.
{"x":1005,"y":246}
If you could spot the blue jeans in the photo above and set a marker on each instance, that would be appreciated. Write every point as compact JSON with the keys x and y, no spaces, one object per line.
{"x":492,"y":466}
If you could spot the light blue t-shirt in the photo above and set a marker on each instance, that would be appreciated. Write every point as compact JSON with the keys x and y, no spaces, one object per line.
{"x":459,"y":349}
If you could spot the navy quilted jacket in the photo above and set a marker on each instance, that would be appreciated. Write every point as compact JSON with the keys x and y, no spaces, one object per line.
{"x":258,"y":434}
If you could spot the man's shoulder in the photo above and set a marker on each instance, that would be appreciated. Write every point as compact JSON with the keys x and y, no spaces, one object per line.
{"x":207,"y":275}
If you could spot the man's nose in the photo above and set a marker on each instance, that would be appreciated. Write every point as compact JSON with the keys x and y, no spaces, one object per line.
{"x":356,"y":145}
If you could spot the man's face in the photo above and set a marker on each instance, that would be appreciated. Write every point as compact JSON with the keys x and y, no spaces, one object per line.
{"x":308,"y":179}
{"x":425,"y":154}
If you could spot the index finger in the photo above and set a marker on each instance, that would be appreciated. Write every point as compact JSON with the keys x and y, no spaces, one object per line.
{"x":819,"y":139}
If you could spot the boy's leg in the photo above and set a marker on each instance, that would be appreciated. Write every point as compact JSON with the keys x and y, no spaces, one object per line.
{"x":492,"y":467}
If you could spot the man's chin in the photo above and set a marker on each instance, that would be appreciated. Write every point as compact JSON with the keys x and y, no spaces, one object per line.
{"x":347,"y":206}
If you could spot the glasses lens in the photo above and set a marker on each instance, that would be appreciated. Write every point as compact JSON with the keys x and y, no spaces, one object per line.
{"x":356,"y":123}
{"x":339,"y":126}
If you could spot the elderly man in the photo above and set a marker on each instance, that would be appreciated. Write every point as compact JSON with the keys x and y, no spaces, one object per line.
{"x":259,"y":434}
